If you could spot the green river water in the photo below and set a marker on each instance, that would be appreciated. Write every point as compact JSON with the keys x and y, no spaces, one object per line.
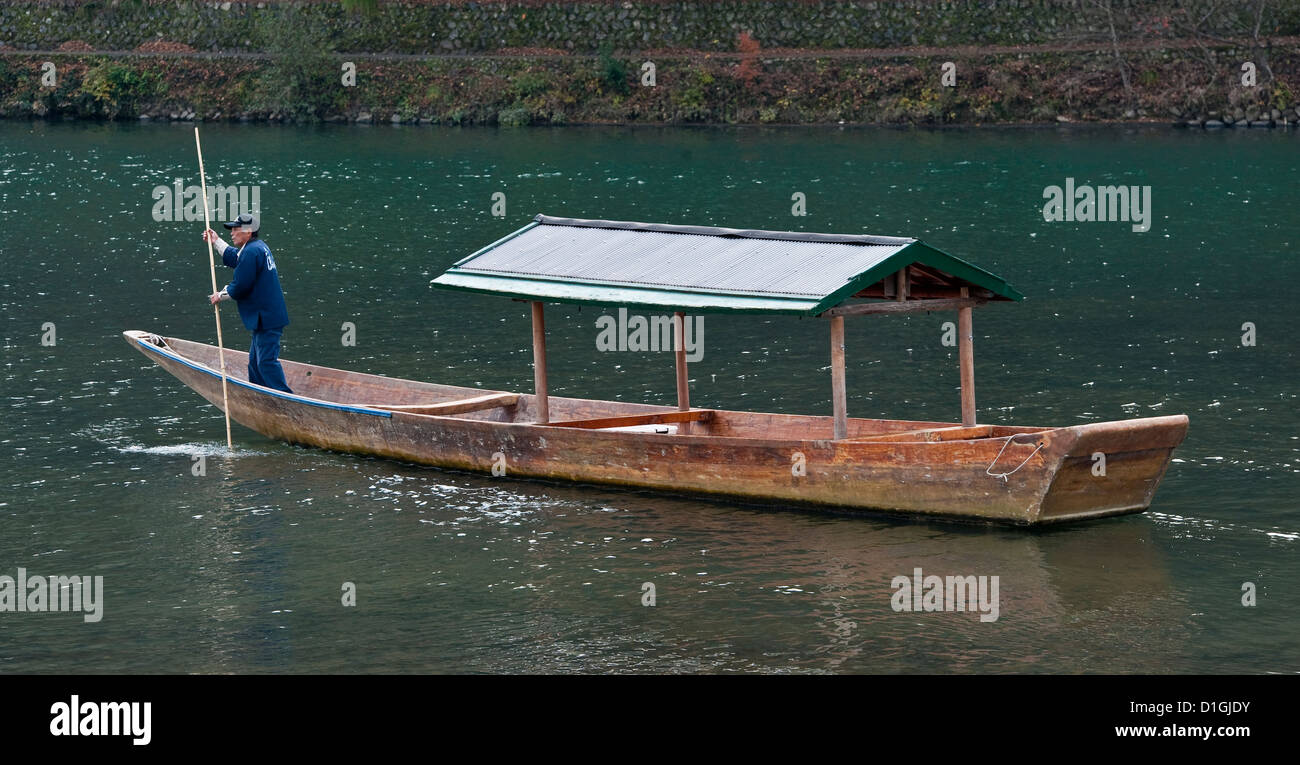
{"x":241,"y":570}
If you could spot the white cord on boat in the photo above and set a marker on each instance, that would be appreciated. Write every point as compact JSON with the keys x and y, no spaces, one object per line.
{"x":1003,"y":476}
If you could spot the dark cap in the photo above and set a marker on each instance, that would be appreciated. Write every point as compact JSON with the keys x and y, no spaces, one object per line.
{"x":245,"y":220}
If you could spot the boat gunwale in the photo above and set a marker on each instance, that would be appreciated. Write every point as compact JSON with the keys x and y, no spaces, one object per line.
{"x":140,"y":336}
{"x":852,"y":444}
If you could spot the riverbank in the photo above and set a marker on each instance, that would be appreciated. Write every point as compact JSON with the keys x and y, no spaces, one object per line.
{"x":558,"y":64}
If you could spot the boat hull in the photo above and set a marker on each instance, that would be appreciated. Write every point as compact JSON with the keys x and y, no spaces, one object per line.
{"x":1051,"y":474}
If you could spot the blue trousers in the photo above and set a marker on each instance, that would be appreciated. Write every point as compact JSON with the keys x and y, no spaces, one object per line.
{"x":264,"y":360}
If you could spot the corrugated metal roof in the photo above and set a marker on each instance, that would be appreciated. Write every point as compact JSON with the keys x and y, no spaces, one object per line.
{"x":694,"y":268}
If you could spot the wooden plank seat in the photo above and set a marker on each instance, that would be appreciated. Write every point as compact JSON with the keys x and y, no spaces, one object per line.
{"x":460,"y":406}
{"x":657,"y":418}
{"x":956,"y":433}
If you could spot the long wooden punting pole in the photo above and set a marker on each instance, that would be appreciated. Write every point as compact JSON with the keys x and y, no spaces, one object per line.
{"x":683,"y":386}
{"x":966,"y":358}
{"x":216,"y":309}
{"x":839,"y":400}
{"x":539,"y":364}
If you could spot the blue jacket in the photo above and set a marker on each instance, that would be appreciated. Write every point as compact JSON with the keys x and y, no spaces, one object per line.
{"x":256,"y":286}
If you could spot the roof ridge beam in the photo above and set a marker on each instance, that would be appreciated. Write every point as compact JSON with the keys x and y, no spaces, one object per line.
{"x":745,"y":233}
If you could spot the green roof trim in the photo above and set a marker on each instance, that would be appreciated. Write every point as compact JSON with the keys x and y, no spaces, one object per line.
{"x":554,"y":291}
{"x":920,"y":252}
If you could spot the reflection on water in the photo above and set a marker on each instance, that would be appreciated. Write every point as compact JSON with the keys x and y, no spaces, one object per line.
{"x":241,"y":569}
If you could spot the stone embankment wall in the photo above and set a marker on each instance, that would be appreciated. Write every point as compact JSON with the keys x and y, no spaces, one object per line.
{"x":724,"y":61}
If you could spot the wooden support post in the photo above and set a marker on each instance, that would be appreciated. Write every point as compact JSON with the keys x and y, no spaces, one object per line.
{"x":966,"y":358}
{"x":539,"y":364}
{"x":839,"y":401}
{"x":683,"y":386}
{"x":900,"y":289}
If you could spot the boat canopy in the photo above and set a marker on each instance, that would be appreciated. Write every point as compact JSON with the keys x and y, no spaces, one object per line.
{"x":705,"y":269}
{"x":702,"y":269}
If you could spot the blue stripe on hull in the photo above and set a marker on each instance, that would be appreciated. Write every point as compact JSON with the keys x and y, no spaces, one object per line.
{"x":264,"y":391}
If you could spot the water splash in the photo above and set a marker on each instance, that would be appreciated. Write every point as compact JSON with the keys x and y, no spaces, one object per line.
{"x":209,"y":449}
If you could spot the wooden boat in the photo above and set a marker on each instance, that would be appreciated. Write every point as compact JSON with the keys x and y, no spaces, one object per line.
{"x":1015,"y":474}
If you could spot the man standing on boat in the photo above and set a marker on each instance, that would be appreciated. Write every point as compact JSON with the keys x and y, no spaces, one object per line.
{"x":255,"y":289}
